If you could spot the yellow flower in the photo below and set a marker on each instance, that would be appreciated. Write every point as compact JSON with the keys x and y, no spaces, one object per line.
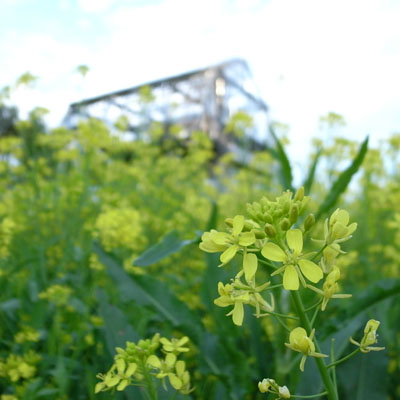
{"x":329,"y":288}
{"x":175,"y":345}
{"x":238,"y":293}
{"x":180,"y":380}
{"x":118,"y":376}
{"x":329,"y":255}
{"x":269,"y":385}
{"x":230,"y":296}
{"x":300,"y":342}
{"x":295,"y":265}
{"x":337,"y":228}
{"x":370,"y":337}
{"x":229,"y":243}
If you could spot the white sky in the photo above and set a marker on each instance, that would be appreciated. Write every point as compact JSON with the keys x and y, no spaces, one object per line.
{"x":308,"y":57}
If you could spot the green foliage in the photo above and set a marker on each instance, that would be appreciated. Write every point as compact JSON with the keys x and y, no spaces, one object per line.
{"x":98,"y":247}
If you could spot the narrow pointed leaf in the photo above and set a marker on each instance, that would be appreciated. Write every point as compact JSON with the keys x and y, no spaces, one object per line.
{"x":340,"y":185}
{"x":285,"y":168}
{"x":171,"y":243}
{"x":311,"y":173}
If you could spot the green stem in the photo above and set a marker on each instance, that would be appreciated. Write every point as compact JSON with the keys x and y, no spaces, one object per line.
{"x":311,"y":396}
{"x":282,"y":323}
{"x":278,"y":315}
{"x":266,"y":263}
{"x":323,"y":370}
{"x":275,"y":286}
{"x":353,"y":353}
{"x":314,"y":317}
{"x":150,"y":386}
{"x":333,"y":371}
{"x":320,"y":251}
{"x":313,"y":306}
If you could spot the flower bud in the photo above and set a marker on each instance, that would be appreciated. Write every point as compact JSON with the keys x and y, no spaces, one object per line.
{"x":286,"y":206}
{"x":270,"y":230}
{"x":259,"y":234}
{"x":251,"y":211}
{"x":339,"y":231}
{"x":229,"y":222}
{"x":284,"y":392}
{"x":370,"y":336}
{"x":265,"y":385}
{"x":299,"y":194}
{"x":309,"y":222}
{"x":277,"y":213}
{"x":294,"y":213}
{"x":285,"y":224}
{"x":259,"y":216}
{"x":268,"y":218}
{"x":248,"y":226}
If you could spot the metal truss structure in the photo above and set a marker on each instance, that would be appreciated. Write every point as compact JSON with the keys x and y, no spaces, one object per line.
{"x":201,"y":100}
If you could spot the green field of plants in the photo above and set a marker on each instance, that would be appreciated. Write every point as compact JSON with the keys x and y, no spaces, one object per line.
{"x":148,"y":269}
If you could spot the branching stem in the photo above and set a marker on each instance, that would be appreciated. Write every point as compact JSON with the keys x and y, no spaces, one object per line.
{"x":323,"y":370}
{"x":353,"y":353}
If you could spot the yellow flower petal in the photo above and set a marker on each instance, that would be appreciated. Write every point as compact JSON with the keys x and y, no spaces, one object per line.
{"x":220,"y":238}
{"x":339,"y":230}
{"x":120,"y":363}
{"x":175,"y":382}
{"x":223,"y":301}
{"x":154,"y":361}
{"x":343,"y":217}
{"x":311,"y":270}
{"x":290,"y":278}
{"x":210,"y":247}
{"x":229,"y":253}
{"x":99,"y":387}
{"x":238,"y":313}
{"x":294,"y":239}
{"x":122,"y":385}
{"x":273,"y":252}
{"x":297,"y":335}
{"x":131,"y":369}
{"x":180,"y":367}
{"x":170,"y":359}
{"x":249,"y":266}
{"x":351,"y":228}
{"x":238,"y":223}
{"x":247,"y":239}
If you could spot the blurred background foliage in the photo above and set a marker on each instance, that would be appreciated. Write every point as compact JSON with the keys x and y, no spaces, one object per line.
{"x":99,"y":245}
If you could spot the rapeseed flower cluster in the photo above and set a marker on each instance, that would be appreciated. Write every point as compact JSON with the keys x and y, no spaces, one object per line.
{"x":157,"y":357}
{"x":269,"y":237}
{"x":16,"y":368}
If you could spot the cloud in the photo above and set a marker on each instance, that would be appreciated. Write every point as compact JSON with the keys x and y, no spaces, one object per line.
{"x":95,"y":6}
{"x":308,"y":57}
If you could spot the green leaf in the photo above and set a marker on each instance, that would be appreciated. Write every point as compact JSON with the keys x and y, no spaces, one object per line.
{"x":116,"y":326}
{"x":148,"y":291}
{"x":343,"y":181}
{"x":365,"y":376}
{"x":171,"y":243}
{"x":280,"y":154}
{"x":311,"y":173}
{"x":213,"y":217}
